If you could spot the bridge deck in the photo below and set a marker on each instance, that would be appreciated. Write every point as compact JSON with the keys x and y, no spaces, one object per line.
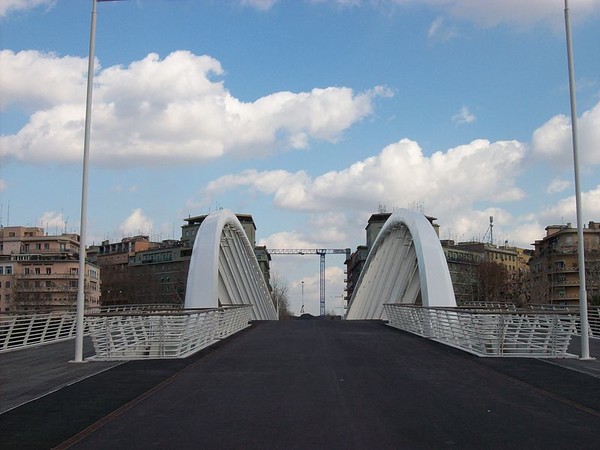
{"x":317,"y":384}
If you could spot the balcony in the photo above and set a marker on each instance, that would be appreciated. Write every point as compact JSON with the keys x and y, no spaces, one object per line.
{"x":46,"y":276}
{"x":564,"y":269}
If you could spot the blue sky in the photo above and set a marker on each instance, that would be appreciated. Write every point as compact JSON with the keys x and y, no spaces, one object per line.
{"x":307,"y":114}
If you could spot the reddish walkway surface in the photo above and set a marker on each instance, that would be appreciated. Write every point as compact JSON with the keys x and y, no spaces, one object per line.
{"x":317,"y":384}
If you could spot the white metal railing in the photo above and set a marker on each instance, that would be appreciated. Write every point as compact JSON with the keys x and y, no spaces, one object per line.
{"x":128,"y":335}
{"x":593,"y":312}
{"x":593,"y":316}
{"x":143,"y":307}
{"x":23,"y":330}
{"x":594,"y":321}
{"x":487,"y":332}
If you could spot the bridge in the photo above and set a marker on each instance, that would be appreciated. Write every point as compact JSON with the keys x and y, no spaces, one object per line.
{"x":405,"y":370}
{"x":300,"y":384}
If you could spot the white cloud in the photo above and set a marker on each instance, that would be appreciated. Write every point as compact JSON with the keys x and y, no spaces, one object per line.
{"x":526,"y":233}
{"x":7,"y":6}
{"x":165,"y":111}
{"x":31,"y":79}
{"x":494,"y":12}
{"x":440,"y":31}
{"x":400,"y":174}
{"x":121,"y":188}
{"x":136,"y":223}
{"x":463,"y":116}
{"x":51,"y":220}
{"x":565,"y":210}
{"x":557,"y":185}
{"x":490,"y":13}
{"x":288,"y":239}
{"x":330,"y":228}
{"x":262,"y":5}
{"x":3,"y":185}
{"x":552,"y":141}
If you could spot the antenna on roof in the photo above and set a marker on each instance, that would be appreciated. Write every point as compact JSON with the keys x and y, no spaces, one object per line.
{"x":490,"y":231}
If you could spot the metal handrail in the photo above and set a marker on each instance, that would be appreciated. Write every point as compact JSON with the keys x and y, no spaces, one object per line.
{"x":34,"y":329}
{"x":25,"y":329}
{"x":490,"y":332}
{"x":138,"y":334}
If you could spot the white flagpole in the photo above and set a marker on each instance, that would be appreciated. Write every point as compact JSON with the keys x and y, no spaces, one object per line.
{"x":84,"y":189}
{"x":583,"y":313}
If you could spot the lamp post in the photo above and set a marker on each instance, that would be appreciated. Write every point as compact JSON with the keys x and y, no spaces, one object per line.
{"x":583,"y":313}
{"x":302,"y":294}
{"x":84,"y":188}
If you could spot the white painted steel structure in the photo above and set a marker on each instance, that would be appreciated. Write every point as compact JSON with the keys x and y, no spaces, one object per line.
{"x":162,"y":334}
{"x":516,"y":333}
{"x":406,"y":265}
{"x":19,"y":331}
{"x":224,"y":270}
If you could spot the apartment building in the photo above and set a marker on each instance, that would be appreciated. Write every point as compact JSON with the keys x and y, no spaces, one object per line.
{"x":137,"y":271}
{"x":555,"y":266}
{"x":40,"y":271}
{"x":464,"y":260}
{"x":463,"y":266}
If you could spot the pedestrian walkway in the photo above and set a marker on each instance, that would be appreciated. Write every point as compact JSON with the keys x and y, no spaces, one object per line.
{"x":317,"y":384}
{"x":28,"y":374}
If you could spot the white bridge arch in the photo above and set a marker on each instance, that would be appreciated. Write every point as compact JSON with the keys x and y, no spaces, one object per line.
{"x":406,"y":265}
{"x":224,"y":270}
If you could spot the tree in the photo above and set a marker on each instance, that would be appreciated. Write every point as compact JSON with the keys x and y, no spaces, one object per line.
{"x":493,"y":282}
{"x":279,"y":294}
{"x":592,"y":275}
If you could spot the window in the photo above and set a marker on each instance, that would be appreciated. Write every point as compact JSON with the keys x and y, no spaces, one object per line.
{"x":46,"y":246}
{"x":48,"y":270}
{"x":38,"y":246}
{"x":7,"y":285}
{"x":73,"y":271}
{"x":48,"y":283}
{"x":25,"y":248}
{"x":37,"y":270}
{"x":26,"y":270}
{"x":8,"y":270}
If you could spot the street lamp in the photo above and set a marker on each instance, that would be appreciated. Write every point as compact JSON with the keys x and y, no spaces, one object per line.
{"x":302,"y":308}
{"x":583,"y":313}
{"x":84,"y":188}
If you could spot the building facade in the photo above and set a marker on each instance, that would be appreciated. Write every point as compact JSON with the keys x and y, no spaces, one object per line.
{"x":479,"y":271}
{"x":463,"y":267}
{"x":41,"y":272}
{"x":137,"y":271}
{"x":555,"y":266}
